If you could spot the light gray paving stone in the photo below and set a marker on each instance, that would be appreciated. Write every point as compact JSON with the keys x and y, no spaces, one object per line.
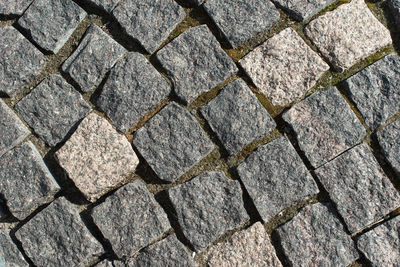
{"x":149,"y":21}
{"x":14,"y":7}
{"x":95,"y":56}
{"x":57,"y":236}
{"x":316,"y":237}
{"x":276,"y":178}
{"x":97,"y":158}
{"x":10,"y":256}
{"x":239,"y":20}
{"x":172,"y":142}
{"x":302,"y":10}
{"x":51,"y":23}
{"x":21,"y":61}
{"x":389,"y":141}
{"x":394,"y":6}
{"x":52,"y":109}
{"x":26,"y":183}
{"x":196,"y":63}
{"x":348,"y":34}
{"x":133,"y":89}
{"x":284,"y":67}
{"x":109,"y":263}
{"x":325,"y":126}
{"x":105,"y":5}
{"x":237,"y":117}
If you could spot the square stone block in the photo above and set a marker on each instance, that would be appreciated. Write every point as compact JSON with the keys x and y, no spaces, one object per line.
{"x":14,"y":7}
{"x":106,"y":5}
{"x":9,"y":253}
{"x":302,"y":10}
{"x":389,"y":140}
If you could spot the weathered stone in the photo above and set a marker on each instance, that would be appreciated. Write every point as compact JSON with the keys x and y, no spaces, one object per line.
{"x":96,"y":157}
{"x":302,"y":10}
{"x":10,"y":256}
{"x":316,"y":237}
{"x":196,"y":63}
{"x":95,"y":56}
{"x":105,"y":5}
{"x":208,"y":206}
{"x":348,"y":34}
{"x":52,"y":109}
{"x":284,"y":68}
{"x":237,"y":117}
{"x":250,"y":247}
{"x":21,"y":61}
{"x":375,"y":90}
{"x":51,"y":23}
{"x":26,"y":183}
{"x":359,"y":188}
{"x":394,"y":6}
{"x":133,"y":89}
{"x":172,"y":142}
{"x":389,"y":140}
{"x":109,"y":263}
{"x":14,"y":7}
{"x":149,"y":21}
{"x":276,"y":178}
{"x":56,"y":236}
{"x":239,"y":20}
{"x":325,"y":126}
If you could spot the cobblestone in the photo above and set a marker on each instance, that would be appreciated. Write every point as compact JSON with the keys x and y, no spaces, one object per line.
{"x":303,"y":10}
{"x":105,"y":5}
{"x":14,"y":7}
{"x":9,"y":253}
{"x":389,"y":142}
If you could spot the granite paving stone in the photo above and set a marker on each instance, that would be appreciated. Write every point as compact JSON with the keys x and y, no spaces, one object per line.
{"x":95,"y":56}
{"x":302,"y":10}
{"x":394,"y":7}
{"x":110,"y":263}
{"x":52,"y":109}
{"x":358,"y":186}
{"x":389,"y":141}
{"x":239,"y":20}
{"x":172,"y":142}
{"x":106,"y":5}
{"x":208,"y":206}
{"x":20,"y":61}
{"x":316,"y":237}
{"x":26,"y":183}
{"x":284,"y":67}
{"x":348,"y":34}
{"x":51,"y":23}
{"x":133,"y":89}
{"x":325,"y":126}
{"x":97,"y":158}
{"x":276,"y":178}
{"x":196,"y":63}
{"x":149,"y":21}
{"x":237,"y":117}
{"x":10,"y":256}
{"x":14,"y":7}
{"x":57,"y":236}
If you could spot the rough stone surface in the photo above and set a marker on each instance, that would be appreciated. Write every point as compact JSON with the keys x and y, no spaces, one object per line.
{"x":172,"y":142}
{"x":96,"y":157}
{"x":95,"y":56}
{"x":133,"y":89}
{"x":25,"y":181}
{"x":196,"y":63}
{"x":10,"y":256}
{"x":375,"y":90}
{"x":51,"y":23}
{"x":57,"y":237}
{"x":109,"y":263}
{"x":394,"y":6}
{"x":276,"y":178}
{"x":348,"y":34}
{"x":52,"y":109}
{"x":237,"y":117}
{"x":325,"y":126}
{"x":316,"y":237}
{"x":284,"y":68}
{"x":359,"y":188}
{"x":389,"y":140}
{"x":239,"y":20}
{"x":250,"y":247}
{"x":302,"y":10}
{"x":20,"y":61}
{"x":208,"y":206}
{"x":149,"y":21}
{"x":105,"y":5}
{"x":14,"y":7}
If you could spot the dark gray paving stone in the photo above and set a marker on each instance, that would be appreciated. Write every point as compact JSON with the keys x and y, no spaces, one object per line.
{"x":21,"y":61}
{"x":316,"y":237}
{"x":95,"y":56}
{"x":133,"y":89}
{"x":10,"y":256}
{"x":14,"y":7}
{"x":26,"y":183}
{"x":149,"y":21}
{"x":105,"y":5}
{"x":237,"y":117}
{"x":276,"y":178}
{"x":303,"y":10}
{"x":208,"y":206}
{"x":394,"y":6}
{"x":130,"y":219}
{"x":358,"y":186}
{"x":51,"y":23}
{"x":325,"y":126}
{"x":239,"y":20}
{"x":172,"y":142}
{"x":196,"y":63}
{"x":52,"y":109}
{"x":389,"y":140}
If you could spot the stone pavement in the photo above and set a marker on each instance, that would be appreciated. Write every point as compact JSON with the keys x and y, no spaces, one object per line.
{"x":199,"y":133}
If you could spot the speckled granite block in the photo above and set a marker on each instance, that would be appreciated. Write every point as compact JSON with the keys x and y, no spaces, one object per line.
{"x":394,"y":6}
{"x":14,"y":7}
{"x":389,"y":140}
{"x":110,"y":263}
{"x":105,"y":5}
{"x":10,"y":256}
{"x":302,"y":10}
